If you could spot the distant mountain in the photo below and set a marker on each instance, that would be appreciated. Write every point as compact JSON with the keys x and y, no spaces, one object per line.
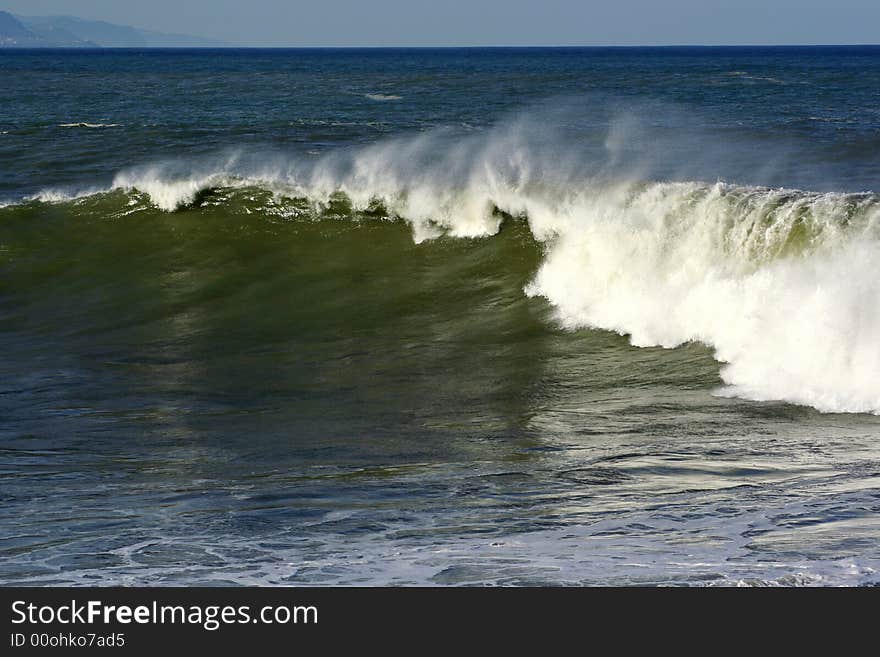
{"x":14,"y":33}
{"x":71,"y":32}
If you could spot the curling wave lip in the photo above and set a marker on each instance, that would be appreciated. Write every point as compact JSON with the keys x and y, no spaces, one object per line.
{"x":780,"y":283}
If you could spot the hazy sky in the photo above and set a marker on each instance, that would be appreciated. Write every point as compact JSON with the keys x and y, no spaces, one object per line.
{"x":486,"y":22}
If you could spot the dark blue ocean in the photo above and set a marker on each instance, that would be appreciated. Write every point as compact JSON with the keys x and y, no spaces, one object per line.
{"x":532,"y":316}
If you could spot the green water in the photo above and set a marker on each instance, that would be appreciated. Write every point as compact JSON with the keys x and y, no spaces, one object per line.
{"x":259,"y":323}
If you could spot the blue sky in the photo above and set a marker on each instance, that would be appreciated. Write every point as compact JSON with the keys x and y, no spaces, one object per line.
{"x":487,"y":22}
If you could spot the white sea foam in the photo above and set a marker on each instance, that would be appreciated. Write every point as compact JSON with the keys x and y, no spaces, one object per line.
{"x":781,"y":283}
{"x":381,"y":97}
{"x":171,"y":187}
{"x":167,"y":194}
{"x":63,"y":195}
{"x":89,"y":125}
{"x":744,"y":75}
{"x":673,"y":264}
{"x":634,"y":547}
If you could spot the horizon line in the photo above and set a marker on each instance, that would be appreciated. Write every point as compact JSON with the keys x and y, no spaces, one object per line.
{"x":454,"y":47}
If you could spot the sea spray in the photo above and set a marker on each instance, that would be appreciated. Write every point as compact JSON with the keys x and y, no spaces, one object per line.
{"x":780,"y":283}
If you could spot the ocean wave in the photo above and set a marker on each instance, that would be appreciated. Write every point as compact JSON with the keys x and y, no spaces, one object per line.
{"x":89,"y":125}
{"x":780,"y":283}
{"x":745,"y":75}
{"x":382,"y":97}
{"x":55,"y":195}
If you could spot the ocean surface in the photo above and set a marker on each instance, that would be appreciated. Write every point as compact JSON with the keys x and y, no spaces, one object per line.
{"x":465,"y":316}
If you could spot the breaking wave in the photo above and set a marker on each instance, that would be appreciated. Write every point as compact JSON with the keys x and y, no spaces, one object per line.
{"x":781,"y":283}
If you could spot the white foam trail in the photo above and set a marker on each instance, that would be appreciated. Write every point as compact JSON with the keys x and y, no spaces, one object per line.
{"x":381,"y":97}
{"x":782,"y":284}
{"x":89,"y":125}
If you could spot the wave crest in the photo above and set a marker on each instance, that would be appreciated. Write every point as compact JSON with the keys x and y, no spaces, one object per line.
{"x":781,"y":283}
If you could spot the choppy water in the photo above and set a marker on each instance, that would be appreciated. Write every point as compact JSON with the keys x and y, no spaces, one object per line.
{"x":538,"y":316}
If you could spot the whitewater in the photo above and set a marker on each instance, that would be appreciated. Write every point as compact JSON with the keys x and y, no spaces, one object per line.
{"x":780,"y":283}
{"x":564,"y":316}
